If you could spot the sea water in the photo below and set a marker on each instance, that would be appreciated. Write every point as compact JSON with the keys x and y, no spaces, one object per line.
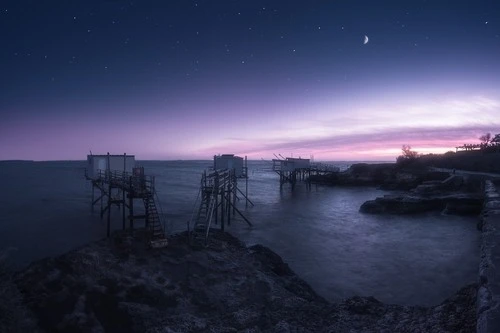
{"x":45,"y":211}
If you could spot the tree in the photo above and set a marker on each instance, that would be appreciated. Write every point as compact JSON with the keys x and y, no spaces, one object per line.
{"x":485,"y":138}
{"x":496,"y":138}
{"x":408,"y":155}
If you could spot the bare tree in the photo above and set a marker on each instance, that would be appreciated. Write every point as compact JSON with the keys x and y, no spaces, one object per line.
{"x":408,"y":153}
{"x":496,"y":138}
{"x":485,"y":138}
{"x":407,"y":156}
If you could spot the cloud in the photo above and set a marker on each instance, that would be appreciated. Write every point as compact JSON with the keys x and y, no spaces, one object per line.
{"x":383,"y":143}
{"x":431,"y":126}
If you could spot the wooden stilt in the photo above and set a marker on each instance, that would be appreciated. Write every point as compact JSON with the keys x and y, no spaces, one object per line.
{"x":93,"y":190}
{"x":222,"y":201}
{"x":102,"y":202}
{"x":123,"y":210}
{"x":108,"y":229}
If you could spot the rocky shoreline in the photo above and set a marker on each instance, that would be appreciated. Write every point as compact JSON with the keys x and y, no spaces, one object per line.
{"x":418,"y":191}
{"x":119,"y":285}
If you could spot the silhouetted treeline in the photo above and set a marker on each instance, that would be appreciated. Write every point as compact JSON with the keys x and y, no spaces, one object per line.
{"x":484,"y":160}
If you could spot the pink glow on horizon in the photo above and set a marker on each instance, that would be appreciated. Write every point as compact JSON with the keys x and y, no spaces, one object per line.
{"x":368,"y":130}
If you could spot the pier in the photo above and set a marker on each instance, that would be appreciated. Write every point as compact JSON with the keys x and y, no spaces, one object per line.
{"x":291,"y":170}
{"x":118,"y":182}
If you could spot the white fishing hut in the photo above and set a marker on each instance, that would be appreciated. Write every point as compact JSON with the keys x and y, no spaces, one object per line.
{"x":229,"y":161}
{"x":292,"y":169}
{"x":119,"y":163}
{"x":291,"y":164}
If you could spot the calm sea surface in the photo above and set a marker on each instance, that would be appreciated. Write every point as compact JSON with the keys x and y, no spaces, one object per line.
{"x":45,"y":211}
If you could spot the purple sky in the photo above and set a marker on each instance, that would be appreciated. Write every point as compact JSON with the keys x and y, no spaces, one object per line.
{"x":190,"y":79}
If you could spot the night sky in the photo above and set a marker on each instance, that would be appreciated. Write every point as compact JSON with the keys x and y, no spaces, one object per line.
{"x":190,"y":79}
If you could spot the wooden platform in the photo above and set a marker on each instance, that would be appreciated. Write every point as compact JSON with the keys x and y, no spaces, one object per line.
{"x":121,"y":188}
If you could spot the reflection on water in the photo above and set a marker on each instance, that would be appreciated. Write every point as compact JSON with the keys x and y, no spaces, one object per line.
{"x":320,"y":233}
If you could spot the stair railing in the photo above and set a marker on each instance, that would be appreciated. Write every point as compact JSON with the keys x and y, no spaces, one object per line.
{"x":161,"y":215}
{"x":210,"y":215}
{"x":189,"y":223}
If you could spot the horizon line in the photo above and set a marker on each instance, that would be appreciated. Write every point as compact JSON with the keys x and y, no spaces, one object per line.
{"x":191,"y":160}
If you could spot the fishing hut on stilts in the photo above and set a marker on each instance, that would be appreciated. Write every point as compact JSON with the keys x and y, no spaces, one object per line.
{"x":119,"y":182}
{"x":291,"y":170}
{"x":216,"y":202}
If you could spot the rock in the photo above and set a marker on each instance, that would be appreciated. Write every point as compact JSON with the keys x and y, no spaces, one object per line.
{"x":457,"y":204}
{"x":225,"y":287}
{"x":462,"y":208}
{"x":400,"y":205}
{"x":271,"y":260}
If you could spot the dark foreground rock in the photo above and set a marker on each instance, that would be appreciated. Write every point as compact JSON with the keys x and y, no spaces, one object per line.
{"x":120,"y":286}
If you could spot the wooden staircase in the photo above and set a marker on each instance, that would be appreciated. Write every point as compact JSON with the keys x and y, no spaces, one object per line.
{"x":202,"y":222}
{"x":158,"y":238}
{"x":217,"y":194}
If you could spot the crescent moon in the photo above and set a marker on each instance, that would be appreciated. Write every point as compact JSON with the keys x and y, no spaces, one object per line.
{"x":366,"y":40}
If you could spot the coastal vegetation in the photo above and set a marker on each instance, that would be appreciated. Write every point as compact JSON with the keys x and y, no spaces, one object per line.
{"x":478,"y":157}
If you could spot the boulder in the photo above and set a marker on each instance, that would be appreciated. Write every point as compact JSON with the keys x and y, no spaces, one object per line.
{"x":457,"y":204}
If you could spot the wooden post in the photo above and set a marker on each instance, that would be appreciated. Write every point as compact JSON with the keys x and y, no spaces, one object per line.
{"x":234,"y":189}
{"x":109,"y":211}
{"x":102,"y":199}
{"x":216,"y":207}
{"x":131,"y":205}
{"x":221,"y":192}
{"x":146,"y":211}
{"x":107,"y":168}
{"x":246,"y":185}
{"x":92,"y":202}
{"x":123,"y":208}
{"x":228,"y":189}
